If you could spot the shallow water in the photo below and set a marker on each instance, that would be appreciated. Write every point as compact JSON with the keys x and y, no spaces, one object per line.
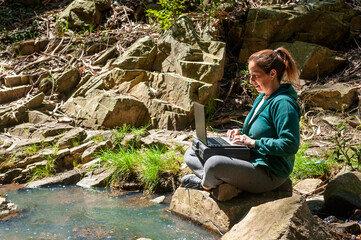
{"x":77,"y":213}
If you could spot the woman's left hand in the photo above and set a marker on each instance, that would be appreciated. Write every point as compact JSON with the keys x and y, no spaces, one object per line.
{"x":244,"y":140}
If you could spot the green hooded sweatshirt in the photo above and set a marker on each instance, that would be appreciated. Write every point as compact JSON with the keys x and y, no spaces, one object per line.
{"x":275,"y":127}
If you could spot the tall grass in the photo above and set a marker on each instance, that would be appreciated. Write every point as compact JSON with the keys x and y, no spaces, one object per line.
{"x":147,"y":166}
{"x":310,"y":166}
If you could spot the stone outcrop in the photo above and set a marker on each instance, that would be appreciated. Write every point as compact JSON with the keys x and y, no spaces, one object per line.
{"x":269,"y":24}
{"x":201,"y":207}
{"x":107,"y":110}
{"x":343,"y":194}
{"x":336,"y":97}
{"x":167,"y":76}
{"x":83,"y":13}
{"x":287,"y":218}
{"x":312,"y":60}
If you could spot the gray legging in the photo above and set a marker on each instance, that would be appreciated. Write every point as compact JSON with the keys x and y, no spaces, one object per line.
{"x":240,"y":173}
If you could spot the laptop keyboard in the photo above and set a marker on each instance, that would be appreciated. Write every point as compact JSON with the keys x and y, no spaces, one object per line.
{"x":217,"y":141}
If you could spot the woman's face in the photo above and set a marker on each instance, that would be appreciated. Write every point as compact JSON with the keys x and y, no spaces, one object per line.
{"x":262,"y":82}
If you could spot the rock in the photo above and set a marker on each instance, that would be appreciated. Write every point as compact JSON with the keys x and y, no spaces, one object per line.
{"x":8,"y":177}
{"x":107,"y":110}
{"x":16,"y":80}
{"x":332,"y":120}
{"x":40,"y":156}
{"x":287,"y":218}
{"x":356,"y":215}
{"x":69,"y":177}
{"x":82,"y":13}
{"x":38,"y":117}
{"x":110,"y":53}
{"x":180,"y":50}
{"x":158,"y":200}
{"x":317,"y":24}
{"x":159,"y":75}
{"x":11,"y":94}
{"x":92,"y":163}
{"x":90,"y":153}
{"x":35,"y":101}
{"x":312,"y":60}
{"x":349,"y":227}
{"x":77,"y":150}
{"x":96,"y":178}
{"x":336,"y":97}
{"x":307,"y":185}
{"x":200,"y":207}
{"x":140,"y":55}
{"x":343,"y":194}
{"x":51,"y":129}
{"x":354,"y":122}
{"x":12,"y":115}
{"x":316,"y":204}
{"x":26,"y":47}
{"x":74,"y":136}
{"x":65,"y":82}
{"x":8,"y":209}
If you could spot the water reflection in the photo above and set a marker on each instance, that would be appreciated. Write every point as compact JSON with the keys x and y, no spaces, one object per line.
{"x":76,"y":213}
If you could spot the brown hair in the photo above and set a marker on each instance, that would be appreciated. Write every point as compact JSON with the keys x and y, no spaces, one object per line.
{"x":280,"y":60}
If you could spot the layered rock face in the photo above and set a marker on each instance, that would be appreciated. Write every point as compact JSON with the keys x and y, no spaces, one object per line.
{"x":161,"y":79}
{"x":326,"y":23}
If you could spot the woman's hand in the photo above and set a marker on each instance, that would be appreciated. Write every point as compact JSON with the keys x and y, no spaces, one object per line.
{"x":232,"y":133}
{"x":244,"y":140}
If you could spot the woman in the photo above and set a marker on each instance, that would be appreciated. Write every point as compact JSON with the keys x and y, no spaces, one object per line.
{"x":271,"y":131}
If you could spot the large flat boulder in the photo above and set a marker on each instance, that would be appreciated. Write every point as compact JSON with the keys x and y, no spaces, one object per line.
{"x":336,"y":97}
{"x":201,"y":207}
{"x":286,"y":219}
{"x":107,"y":110}
{"x":66,"y":178}
{"x":312,"y":60}
{"x":97,"y":178}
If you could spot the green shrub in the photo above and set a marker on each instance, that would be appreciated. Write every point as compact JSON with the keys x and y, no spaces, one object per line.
{"x":171,"y":10}
{"x":345,"y":152}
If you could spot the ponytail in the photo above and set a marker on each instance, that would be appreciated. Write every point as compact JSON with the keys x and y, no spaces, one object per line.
{"x":280,"y":60}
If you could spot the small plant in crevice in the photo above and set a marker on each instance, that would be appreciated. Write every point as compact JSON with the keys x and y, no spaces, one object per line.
{"x":44,"y":171}
{"x":345,"y":150}
{"x":30,"y":150}
{"x":7,"y":161}
{"x":211,"y":108}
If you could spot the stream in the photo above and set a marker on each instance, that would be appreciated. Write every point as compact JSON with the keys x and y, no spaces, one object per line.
{"x":71,"y":212}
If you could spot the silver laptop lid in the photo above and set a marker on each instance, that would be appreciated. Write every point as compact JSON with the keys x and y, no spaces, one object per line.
{"x":200,"y":121}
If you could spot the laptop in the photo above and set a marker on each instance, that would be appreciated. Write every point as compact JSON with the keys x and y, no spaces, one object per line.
{"x":200,"y":121}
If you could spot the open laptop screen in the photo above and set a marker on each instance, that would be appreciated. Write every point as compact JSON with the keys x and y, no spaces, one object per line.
{"x":200,"y":121}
